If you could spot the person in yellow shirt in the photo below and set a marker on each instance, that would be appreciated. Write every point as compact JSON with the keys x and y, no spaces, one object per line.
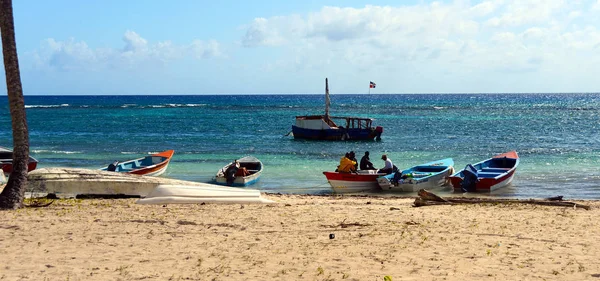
{"x":346,"y":165}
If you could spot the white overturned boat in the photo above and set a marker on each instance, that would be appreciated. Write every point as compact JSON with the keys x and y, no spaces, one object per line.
{"x":71,"y":182}
{"x":186,"y":194}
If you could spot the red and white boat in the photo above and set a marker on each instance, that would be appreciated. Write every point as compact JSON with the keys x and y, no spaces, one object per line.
{"x":362,"y":180}
{"x":491,"y":174}
{"x":6,"y":158}
{"x":151,"y":165}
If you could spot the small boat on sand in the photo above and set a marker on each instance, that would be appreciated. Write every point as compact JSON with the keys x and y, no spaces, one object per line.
{"x":425,"y":176}
{"x":74,"y":182}
{"x":362,"y":180}
{"x":6,"y":158}
{"x":151,"y":165}
{"x":247,"y":172}
{"x":187,"y":194}
{"x":324,"y":127}
{"x":487,"y":175}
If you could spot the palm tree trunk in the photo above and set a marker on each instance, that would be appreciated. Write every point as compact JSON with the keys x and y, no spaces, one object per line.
{"x":14,"y":191}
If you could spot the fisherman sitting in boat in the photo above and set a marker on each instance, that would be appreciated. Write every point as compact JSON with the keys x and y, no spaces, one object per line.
{"x":231,"y":171}
{"x":365,"y":162}
{"x":113,"y":166}
{"x":389,"y":166}
{"x":242,"y":172}
{"x":346,"y":164}
{"x":352,"y":157}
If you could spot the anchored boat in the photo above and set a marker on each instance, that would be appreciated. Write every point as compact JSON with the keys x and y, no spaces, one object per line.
{"x":325,"y":127}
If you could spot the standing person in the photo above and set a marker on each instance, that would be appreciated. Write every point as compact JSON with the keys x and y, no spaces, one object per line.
{"x":365,"y":162}
{"x":388,"y":168}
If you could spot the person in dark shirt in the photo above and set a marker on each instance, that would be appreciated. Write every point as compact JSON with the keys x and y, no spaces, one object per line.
{"x":365,"y":162}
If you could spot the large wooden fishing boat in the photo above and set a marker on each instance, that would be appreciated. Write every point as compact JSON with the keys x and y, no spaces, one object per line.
{"x":326,"y":127}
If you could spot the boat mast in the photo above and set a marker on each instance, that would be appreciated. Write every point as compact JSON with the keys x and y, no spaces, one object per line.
{"x":327,"y":100}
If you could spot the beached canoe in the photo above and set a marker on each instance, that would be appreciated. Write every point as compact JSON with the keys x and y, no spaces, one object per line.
{"x":151,"y":165}
{"x":6,"y":158}
{"x":247,"y":174}
{"x":487,"y":175}
{"x":188,"y":194}
{"x":362,"y":180}
{"x":425,"y":176}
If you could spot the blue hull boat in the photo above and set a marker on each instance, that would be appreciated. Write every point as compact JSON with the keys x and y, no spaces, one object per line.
{"x":324,"y":127}
{"x":321,"y":127}
{"x":425,"y":176}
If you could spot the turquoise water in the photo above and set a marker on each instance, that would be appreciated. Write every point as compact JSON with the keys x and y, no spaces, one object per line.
{"x":556,"y":135}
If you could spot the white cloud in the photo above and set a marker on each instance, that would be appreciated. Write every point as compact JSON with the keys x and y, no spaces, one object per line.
{"x":575,"y":14}
{"x":596,"y":6}
{"x":205,"y":50}
{"x":134,"y":42}
{"x":483,"y":9}
{"x":427,"y":44}
{"x":522,"y":12}
{"x":72,"y":55}
{"x":493,"y":35}
{"x":264,"y":32}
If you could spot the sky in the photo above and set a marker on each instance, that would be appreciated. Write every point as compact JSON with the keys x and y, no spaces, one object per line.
{"x":148,"y":47}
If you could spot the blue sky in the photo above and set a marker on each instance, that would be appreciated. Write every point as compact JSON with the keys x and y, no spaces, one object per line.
{"x":229,"y":47}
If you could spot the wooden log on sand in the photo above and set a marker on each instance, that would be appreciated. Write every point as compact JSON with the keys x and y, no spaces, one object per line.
{"x":427,"y":198}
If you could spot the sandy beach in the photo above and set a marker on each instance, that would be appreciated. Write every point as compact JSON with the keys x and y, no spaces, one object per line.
{"x":116,"y":239}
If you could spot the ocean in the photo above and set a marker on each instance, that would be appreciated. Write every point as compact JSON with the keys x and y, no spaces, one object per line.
{"x":556,"y":135}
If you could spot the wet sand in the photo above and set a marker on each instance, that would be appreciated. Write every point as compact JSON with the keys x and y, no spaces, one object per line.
{"x":103,"y":239}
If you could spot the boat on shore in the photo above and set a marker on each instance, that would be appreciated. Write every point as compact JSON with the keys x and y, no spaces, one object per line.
{"x":248,"y":172}
{"x":151,"y":165}
{"x":325,"y":127}
{"x":6,"y":158}
{"x":187,"y":194}
{"x":73,"y":183}
{"x":487,"y":175}
{"x":425,"y":176}
{"x":360,"y":181}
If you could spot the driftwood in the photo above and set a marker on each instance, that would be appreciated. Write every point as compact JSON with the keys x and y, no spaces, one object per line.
{"x":427,"y":198}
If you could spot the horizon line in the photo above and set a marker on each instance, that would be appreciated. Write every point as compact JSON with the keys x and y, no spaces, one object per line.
{"x":272,"y":94}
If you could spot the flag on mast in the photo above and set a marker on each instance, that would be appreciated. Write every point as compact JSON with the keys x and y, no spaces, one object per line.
{"x":327,"y":100}
{"x":372,"y":85}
